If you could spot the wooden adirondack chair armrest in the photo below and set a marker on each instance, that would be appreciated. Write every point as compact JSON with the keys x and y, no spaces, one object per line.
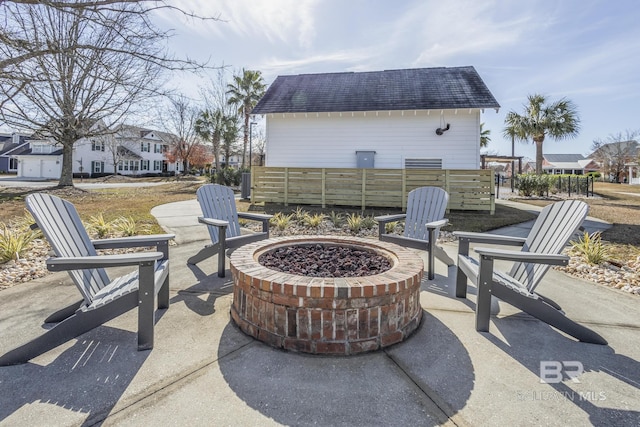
{"x":254,"y":216}
{"x":264,"y":218}
{"x":437,"y":224}
{"x":519,"y":256}
{"x":213,"y":222}
{"x":133,"y":241}
{"x":388,"y":218}
{"x":102,"y":261}
{"x":490,"y":238}
{"x":384,"y":219}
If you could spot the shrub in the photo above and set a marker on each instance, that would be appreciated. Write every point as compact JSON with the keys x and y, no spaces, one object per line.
{"x":354,"y":222}
{"x":128,"y":227}
{"x":300,"y":215}
{"x":337,"y":219}
{"x":369,"y":222}
{"x":280,"y":220}
{"x":590,"y":248}
{"x":228,"y":176}
{"x":530,"y":184}
{"x":390,"y":226}
{"x":13,"y":243}
{"x":100,"y":226}
{"x":314,"y":220}
{"x":24,"y":223}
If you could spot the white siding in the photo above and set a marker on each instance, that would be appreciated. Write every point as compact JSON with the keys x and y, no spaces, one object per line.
{"x":332,"y":139}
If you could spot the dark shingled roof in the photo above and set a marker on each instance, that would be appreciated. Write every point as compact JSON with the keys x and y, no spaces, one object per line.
{"x":411,"y":89}
{"x":563,"y":158}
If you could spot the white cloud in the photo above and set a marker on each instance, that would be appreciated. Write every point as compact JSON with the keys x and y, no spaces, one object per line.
{"x":288,"y":21}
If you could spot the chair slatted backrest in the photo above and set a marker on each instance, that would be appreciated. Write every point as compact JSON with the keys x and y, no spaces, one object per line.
{"x":63,"y":229}
{"x":424,"y":204}
{"x":218,"y":202}
{"x":550,"y":233}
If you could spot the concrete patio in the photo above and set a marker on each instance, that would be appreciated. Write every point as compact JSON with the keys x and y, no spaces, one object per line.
{"x":204,"y":371}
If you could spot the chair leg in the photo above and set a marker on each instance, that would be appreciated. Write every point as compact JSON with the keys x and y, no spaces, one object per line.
{"x":461,"y":283}
{"x":222,"y":247}
{"x":539,"y":309}
{"x":73,"y":326}
{"x":461,"y":277}
{"x":483,"y":301}
{"x":163,"y":293}
{"x":146,"y":297}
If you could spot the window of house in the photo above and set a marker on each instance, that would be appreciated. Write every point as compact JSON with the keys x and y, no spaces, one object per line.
{"x":97,"y":145}
{"x":157,"y":165}
{"x":42,"y":148}
{"x":145,"y":146}
{"x":157,"y":148}
{"x":97,"y":166}
{"x":144,"y":165}
{"x":13,"y":164}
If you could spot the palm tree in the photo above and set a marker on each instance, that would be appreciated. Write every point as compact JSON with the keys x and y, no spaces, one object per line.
{"x":484,"y":136}
{"x":209,"y":126}
{"x":245,"y":92}
{"x":559,"y":120}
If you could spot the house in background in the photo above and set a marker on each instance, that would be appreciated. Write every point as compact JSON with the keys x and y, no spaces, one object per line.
{"x":42,"y":160}
{"x":573,"y":164}
{"x":396,"y":119}
{"x":619,"y":161}
{"x":11,"y":145}
{"x":129,"y":150}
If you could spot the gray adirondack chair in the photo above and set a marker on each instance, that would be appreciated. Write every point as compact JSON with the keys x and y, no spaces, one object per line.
{"x":550,"y":233}
{"x":103,"y":298}
{"x":426,"y":207}
{"x":221,"y":216}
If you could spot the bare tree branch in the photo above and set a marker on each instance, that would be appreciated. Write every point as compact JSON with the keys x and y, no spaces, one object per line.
{"x":66,"y":66}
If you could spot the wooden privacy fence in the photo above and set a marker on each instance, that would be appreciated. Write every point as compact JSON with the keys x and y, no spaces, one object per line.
{"x":367,"y":188}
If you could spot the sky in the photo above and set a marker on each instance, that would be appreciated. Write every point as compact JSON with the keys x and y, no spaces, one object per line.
{"x":587,"y":51}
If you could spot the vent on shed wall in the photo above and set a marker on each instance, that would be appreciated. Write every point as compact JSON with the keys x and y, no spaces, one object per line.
{"x":423,"y":163}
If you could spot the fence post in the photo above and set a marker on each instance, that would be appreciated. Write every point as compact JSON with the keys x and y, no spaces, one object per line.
{"x":569,"y":186}
{"x":324,"y":188}
{"x":364,"y":189}
{"x":286,"y":186}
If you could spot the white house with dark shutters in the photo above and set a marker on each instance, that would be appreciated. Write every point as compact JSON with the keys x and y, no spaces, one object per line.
{"x":130,"y":150}
{"x":394,"y":119}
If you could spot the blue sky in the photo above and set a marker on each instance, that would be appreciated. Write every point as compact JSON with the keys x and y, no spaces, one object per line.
{"x":587,"y":51}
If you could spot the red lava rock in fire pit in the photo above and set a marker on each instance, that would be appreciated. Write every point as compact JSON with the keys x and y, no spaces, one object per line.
{"x":325,"y":261}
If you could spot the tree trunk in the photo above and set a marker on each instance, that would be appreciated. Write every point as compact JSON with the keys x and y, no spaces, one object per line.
{"x":539,"y":158}
{"x":246,"y":139}
{"x":66,"y":173}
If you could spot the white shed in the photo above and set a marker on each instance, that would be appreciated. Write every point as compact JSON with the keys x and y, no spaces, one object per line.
{"x":394,"y":119}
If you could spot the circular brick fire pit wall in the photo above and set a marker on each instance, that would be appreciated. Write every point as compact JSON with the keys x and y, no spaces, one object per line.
{"x":321,"y":315}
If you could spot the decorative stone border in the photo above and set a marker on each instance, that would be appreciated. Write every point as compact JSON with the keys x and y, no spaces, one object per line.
{"x":331,"y":316}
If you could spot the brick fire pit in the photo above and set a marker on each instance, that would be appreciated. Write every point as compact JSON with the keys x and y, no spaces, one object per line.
{"x":321,"y":315}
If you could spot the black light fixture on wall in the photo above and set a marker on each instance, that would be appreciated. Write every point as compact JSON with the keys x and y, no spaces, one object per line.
{"x":440,"y":131}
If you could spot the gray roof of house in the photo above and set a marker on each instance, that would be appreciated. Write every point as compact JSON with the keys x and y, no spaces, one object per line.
{"x":563,"y":158}
{"x":409,"y":89}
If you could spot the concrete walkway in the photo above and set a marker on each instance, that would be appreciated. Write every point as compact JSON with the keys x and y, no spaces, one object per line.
{"x":203,"y":371}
